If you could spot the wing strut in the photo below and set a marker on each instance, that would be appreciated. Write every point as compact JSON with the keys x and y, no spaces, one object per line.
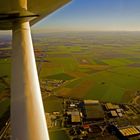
{"x":27,"y":113}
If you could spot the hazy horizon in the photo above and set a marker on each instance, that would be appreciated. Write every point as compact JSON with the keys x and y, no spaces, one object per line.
{"x":97,"y":15}
{"x":93,"y":16}
{"x":37,"y":31}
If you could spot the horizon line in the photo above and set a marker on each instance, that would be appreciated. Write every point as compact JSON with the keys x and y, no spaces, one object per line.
{"x":36,"y":31}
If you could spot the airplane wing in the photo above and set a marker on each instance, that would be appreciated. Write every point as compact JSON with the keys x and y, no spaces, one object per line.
{"x":28,"y":120}
{"x":37,"y":10}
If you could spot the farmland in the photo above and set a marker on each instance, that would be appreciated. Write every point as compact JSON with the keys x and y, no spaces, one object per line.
{"x":93,"y":65}
{"x":97,"y":65}
{"x":100,"y":65}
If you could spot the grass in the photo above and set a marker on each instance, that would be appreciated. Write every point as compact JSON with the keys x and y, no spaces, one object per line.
{"x":117,"y":61}
{"x":100,"y":62}
{"x":115,"y":73}
{"x":60,"y":76}
{"x":114,"y":94}
{"x":2,"y":87}
{"x":103,"y":85}
{"x":4,"y":104}
{"x":106,"y":74}
{"x":5,"y":67}
{"x":57,"y":65}
{"x":58,"y":135}
{"x":53,"y":104}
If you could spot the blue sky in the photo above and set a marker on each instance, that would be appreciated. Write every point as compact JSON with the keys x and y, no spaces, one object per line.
{"x":94,"y":15}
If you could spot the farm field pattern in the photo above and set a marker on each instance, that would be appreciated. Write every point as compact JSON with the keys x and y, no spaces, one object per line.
{"x":96,"y":65}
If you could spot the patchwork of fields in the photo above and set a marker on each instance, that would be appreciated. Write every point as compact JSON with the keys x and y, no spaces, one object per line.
{"x":95,"y":65}
{"x":89,"y":65}
{"x":100,"y":65}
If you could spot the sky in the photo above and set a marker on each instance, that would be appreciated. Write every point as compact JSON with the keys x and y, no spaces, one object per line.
{"x":94,"y":15}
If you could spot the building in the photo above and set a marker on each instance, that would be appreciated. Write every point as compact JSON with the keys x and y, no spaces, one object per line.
{"x":91,"y":102}
{"x":110,"y":106}
{"x":113,"y":113}
{"x":129,"y":132}
{"x":93,"y":110}
{"x":120,"y":114}
{"x":75,"y":117}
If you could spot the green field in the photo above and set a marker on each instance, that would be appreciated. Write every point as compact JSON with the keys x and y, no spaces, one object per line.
{"x":5,"y":67}
{"x":53,"y":104}
{"x":58,"y":135}
{"x":60,"y":76}
{"x":95,"y":67}
{"x":104,"y":66}
{"x":4,"y":104}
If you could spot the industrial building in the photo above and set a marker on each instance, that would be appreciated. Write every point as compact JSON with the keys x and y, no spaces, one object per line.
{"x":113,"y":113}
{"x":93,"y":110}
{"x":110,"y":106}
{"x":129,"y":131}
{"x":75,"y":117}
{"x":91,"y":102}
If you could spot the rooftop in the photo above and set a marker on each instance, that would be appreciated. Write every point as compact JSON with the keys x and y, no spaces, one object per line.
{"x":129,"y":131}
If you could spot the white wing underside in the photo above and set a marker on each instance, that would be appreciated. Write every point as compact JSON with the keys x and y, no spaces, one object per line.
{"x":37,"y":9}
{"x":27,"y":113}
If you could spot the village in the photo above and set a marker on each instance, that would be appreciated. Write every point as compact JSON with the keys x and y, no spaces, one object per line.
{"x":90,"y":119}
{"x":94,"y":119}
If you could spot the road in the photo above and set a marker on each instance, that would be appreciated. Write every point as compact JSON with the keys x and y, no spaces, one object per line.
{"x":4,"y":129}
